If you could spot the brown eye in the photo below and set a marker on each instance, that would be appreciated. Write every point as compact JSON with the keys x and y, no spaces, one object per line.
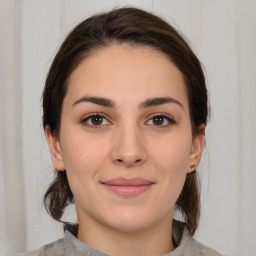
{"x":95,"y":121}
{"x":161,"y":120}
{"x":158,"y":120}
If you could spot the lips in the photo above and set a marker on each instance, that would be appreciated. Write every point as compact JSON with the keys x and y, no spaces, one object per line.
{"x":128,"y":187}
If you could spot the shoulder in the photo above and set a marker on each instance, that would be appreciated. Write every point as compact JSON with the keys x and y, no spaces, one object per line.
{"x":206,"y":251}
{"x":199,"y":249}
{"x":56,"y":248}
{"x":191,"y":247}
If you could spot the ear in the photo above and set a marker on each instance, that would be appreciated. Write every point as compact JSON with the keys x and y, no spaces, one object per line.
{"x":55,"y":149}
{"x":196,"y":149}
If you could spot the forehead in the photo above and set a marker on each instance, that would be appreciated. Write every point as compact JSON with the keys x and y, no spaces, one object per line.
{"x":126,"y":71}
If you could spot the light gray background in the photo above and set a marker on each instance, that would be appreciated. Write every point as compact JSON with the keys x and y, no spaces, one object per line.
{"x":222,"y":33}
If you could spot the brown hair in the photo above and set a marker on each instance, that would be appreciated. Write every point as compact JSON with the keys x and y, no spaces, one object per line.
{"x":135,"y":27}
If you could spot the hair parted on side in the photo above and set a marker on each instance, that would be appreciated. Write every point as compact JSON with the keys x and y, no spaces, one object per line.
{"x":134,"y":27}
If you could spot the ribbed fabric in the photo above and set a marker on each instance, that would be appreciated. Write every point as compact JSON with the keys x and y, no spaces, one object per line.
{"x":71,"y":246}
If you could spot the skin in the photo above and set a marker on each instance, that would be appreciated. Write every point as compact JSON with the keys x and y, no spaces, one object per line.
{"x":129,"y":140}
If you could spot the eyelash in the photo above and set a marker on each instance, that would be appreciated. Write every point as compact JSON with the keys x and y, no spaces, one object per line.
{"x":166,"y":117}
{"x":89,"y":117}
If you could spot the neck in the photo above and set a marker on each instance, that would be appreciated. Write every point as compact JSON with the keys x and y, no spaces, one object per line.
{"x":155,"y":240}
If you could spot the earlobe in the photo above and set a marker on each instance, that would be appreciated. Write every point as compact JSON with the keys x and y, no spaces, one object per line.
{"x":196,"y":149}
{"x":55,"y":149}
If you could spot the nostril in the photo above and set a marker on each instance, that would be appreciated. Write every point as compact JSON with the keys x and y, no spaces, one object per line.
{"x":119,"y":160}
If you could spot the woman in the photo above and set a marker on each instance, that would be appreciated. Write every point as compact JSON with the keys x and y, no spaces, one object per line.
{"x":124,"y":112}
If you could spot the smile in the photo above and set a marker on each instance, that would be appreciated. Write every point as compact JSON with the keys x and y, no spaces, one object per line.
{"x":128,"y":187}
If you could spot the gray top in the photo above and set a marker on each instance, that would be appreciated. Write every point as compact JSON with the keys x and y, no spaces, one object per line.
{"x":71,"y":246}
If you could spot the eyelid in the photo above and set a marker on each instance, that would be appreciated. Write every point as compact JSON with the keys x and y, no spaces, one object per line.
{"x":88,"y":116}
{"x":168,"y":117}
{"x":164,"y":115}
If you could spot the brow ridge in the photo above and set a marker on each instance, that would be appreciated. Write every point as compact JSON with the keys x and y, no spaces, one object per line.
{"x":96,"y":100}
{"x":151,"y":102}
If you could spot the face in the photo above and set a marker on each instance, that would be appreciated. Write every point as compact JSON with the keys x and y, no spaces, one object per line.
{"x":125,"y":138}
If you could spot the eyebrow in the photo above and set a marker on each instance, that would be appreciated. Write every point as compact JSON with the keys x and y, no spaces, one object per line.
{"x":159,"y":101}
{"x":105,"y":102}
{"x":96,"y":100}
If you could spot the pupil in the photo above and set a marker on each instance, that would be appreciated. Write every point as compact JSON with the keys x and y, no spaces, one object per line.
{"x":158,"y":120}
{"x":96,"y":120}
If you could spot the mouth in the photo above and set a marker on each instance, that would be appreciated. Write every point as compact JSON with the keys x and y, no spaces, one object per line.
{"x":128,"y":187}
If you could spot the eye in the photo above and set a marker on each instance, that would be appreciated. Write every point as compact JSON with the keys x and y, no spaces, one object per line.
{"x":95,"y":120}
{"x":160,"y":120}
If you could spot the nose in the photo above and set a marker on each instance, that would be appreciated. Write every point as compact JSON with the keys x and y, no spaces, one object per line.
{"x":129,"y":148}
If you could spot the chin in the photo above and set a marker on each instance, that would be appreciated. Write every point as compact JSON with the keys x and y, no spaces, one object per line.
{"x":129,"y":227}
{"x":129,"y":222}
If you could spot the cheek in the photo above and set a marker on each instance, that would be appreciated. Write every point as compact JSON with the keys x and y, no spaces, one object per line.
{"x":83,"y":155}
{"x":172,"y":154}
{"x":171,"y":160}
{"x":83,"y":160}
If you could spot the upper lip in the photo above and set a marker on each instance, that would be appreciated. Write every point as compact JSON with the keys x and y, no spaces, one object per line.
{"x":127,"y":182}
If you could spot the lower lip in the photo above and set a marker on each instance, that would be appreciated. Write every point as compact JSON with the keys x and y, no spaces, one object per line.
{"x":129,"y":191}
